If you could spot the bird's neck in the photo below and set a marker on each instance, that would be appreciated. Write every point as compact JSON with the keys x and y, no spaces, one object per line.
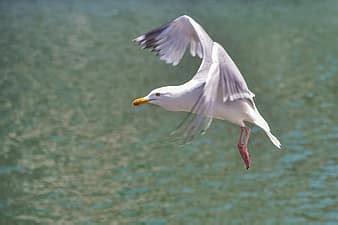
{"x":184,"y":96}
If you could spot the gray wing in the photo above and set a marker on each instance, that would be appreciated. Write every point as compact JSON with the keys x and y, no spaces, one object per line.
{"x":201,"y":114}
{"x":232,"y":83}
{"x":222,"y":79}
{"x":171,"y":40}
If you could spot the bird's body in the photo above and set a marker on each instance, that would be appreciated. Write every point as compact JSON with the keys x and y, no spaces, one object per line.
{"x":236,"y":111}
{"x":218,"y":89}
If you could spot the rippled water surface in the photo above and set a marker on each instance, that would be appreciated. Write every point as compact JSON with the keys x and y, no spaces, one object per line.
{"x":74,"y":150}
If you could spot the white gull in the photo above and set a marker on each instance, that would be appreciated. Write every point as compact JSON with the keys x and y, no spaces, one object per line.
{"x":217,"y":90}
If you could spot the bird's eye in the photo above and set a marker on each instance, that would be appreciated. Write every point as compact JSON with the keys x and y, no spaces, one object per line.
{"x":157,"y":94}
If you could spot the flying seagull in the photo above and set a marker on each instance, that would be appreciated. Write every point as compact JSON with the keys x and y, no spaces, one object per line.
{"x":217,"y":90}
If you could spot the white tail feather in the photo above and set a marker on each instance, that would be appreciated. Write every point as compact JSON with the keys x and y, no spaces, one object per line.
{"x":274,"y":140}
{"x":264,"y":125}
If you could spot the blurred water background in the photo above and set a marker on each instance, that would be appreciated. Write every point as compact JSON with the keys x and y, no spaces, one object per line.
{"x":74,"y":151}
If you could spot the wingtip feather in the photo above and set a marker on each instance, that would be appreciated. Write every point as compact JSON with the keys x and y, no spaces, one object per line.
{"x":139,"y":39}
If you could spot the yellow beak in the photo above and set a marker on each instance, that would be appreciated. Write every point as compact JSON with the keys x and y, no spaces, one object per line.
{"x":140,"y":101}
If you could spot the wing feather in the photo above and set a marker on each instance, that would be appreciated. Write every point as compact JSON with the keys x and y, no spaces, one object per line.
{"x":201,"y":114}
{"x":232,"y":83}
{"x":171,"y":40}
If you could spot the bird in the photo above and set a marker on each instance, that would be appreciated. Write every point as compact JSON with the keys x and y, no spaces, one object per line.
{"x":217,"y":90}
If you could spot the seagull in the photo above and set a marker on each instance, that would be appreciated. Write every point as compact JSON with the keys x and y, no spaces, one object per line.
{"x":217,"y":90}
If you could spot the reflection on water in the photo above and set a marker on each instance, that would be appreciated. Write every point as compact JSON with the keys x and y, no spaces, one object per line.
{"x":74,"y":151}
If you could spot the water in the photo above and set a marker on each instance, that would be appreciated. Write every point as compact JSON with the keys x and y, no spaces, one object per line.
{"x":74,"y":150}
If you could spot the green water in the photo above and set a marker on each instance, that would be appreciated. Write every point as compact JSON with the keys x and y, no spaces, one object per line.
{"x":74,"y":151}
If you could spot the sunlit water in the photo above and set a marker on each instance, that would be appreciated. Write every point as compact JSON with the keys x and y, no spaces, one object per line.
{"x":74,"y":150}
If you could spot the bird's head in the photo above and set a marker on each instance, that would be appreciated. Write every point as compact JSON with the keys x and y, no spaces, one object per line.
{"x":163,"y":97}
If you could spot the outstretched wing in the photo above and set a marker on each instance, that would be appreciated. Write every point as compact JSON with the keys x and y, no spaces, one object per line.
{"x":201,"y":114}
{"x":222,"y":82}
{"x":231,"y":83}
{"x":171,"y":40}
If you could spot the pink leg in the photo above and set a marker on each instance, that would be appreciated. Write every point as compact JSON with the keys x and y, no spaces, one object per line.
{"x":247,"y":133}
{"x":243,"y":146}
